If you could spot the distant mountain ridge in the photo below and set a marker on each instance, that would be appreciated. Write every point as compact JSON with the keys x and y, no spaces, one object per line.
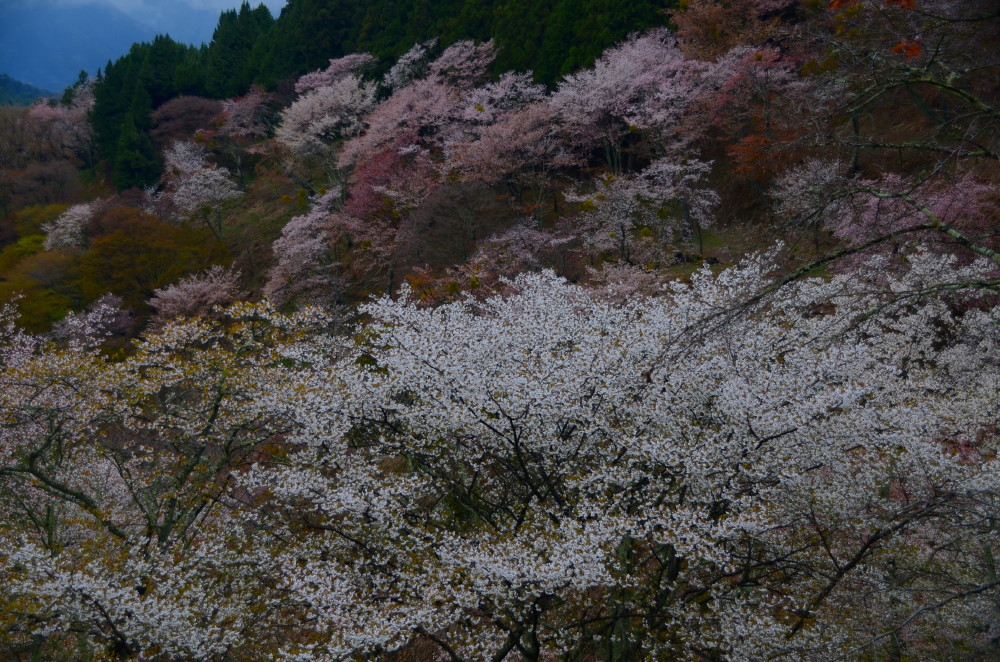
{"x":15,"y":93}
{"x":47,"y":44}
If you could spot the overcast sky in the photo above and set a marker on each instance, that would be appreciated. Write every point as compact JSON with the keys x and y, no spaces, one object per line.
{"x":137,"y":7}
{"x":147,"y":11}
{"x":47,"y":48}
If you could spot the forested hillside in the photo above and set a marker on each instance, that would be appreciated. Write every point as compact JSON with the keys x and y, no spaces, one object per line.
{"x":549,"y":37}
{"x":509,"y":331}
{"x":250,"y":46}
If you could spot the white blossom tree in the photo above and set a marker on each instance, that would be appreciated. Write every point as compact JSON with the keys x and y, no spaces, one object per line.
{"x":639,"y":219}
{"x":302,"y":269}
{"x":195,"y":186}
{"x":729,"y":469}
{"x":66,"y":232}
{"x":555,"y":474}
{"x":119,"y":505}
{"x":333,"y":103}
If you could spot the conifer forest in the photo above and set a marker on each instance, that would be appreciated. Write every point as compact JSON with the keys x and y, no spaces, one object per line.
{"x":509,"y":331}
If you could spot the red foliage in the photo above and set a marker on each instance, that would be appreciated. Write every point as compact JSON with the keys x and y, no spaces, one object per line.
{"x":376,"y":172}
{"x":908,"y":48}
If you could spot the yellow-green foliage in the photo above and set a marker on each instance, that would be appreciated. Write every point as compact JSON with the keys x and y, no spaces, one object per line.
{"x":131,"y":254}
{"x":45,"y":287}
{"x":143,"y":256}
{"x":19,"y":250}
{"x":29,"y":220}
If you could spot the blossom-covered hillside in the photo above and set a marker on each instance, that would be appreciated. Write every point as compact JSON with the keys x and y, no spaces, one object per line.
{"x":688,"y":354}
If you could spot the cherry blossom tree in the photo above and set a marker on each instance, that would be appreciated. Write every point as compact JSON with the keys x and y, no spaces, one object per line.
{"x":892,"y":213}
{"x":752,"y":463}
{"x":197,"y":187}
{"x":67,"y":231}
{"x":464,"y":64}
{"x":196,"y":295}
{"x":640,"y":217}
{"x":66,"y":125}
{"x":243,"y":116}
{"x":490,"y":102}
{"x":377,"y":223}
{"x":599,"y":106}
{"x":119,"y":490}
{"x":100,"y":321}
{"x":427,"y":112}
{"x":333,"y":103}
{"x":411,"y":65}
{"x":523,"y":151}
{"x":566,"y":476}
{"x":182,"y":118}
{"x":707,"y":472}
{"x":303,"y":270}
{"x":419,"y":115}
{"x":502,"y":256}
{"x":243,"y":122}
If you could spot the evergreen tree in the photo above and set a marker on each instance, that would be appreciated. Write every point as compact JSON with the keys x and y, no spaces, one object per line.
{"x":135,"y":161}
{"x":228,"y":70}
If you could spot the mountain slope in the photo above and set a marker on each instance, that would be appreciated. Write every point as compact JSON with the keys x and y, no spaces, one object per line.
{"x":15,"y":93}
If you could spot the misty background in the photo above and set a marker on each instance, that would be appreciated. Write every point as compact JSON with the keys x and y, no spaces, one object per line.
{"x":46,"y":43}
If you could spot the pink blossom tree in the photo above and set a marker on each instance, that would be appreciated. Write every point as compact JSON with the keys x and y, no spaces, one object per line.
{"x":418,"y":115}
{"x":464,"y":64}
{"x":196,"y":295}
{"x":427,"y":112}
{"x":243,"y":122}
{"x":598,"y":106}
{"x":889,"y":216}
{"x":66,"y":125}
{"x":243,"y":116}
{"x":812,"y":195}
{"x":303,"y":271}
{"x":339,"y":68}
{"x":521,"y":151}
{"x":894,"y":204}
{"x":377,"y":219}
{"x":182,"y":118}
